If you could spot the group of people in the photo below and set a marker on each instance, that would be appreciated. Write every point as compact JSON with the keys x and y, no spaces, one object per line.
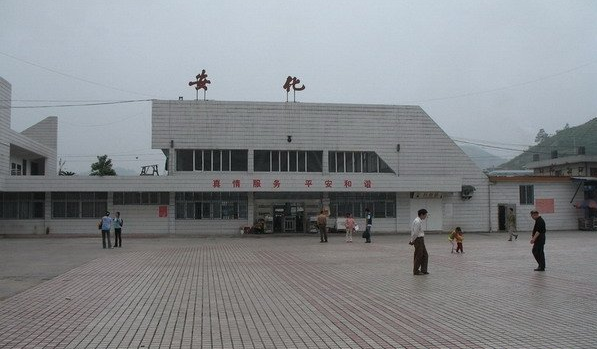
{"x":421,"y":257}
{"x":350,"y":225}
{"x":106,"y":224}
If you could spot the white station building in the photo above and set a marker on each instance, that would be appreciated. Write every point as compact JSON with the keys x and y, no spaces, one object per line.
{"x":231,"y":164}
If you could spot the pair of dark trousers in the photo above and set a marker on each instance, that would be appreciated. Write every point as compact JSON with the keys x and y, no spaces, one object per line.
{"x":106,"y":236}
{"x":539,"y":255}
{"x":421,"y":256}
{"x":117,"y":237}
{"x":367,"y":234}
{"x":323,"y":233}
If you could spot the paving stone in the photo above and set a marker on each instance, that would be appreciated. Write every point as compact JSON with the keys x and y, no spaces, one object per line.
{"x":293,"y":292}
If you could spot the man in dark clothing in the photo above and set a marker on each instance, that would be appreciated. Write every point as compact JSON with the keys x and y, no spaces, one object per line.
{"x":538,"y":240}
{"x":368,"y":225}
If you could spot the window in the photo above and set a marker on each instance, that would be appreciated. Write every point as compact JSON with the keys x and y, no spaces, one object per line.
{"x":217,"y":160}
{"x":198,"y":160}
{"x":314,"y":161}
{"x":292,"y":161}
{"x":191,"y":205}
{"x":239,"y":160}
{"x":184,"y":160}
{"x":225,"y":160}
{"x":141,"y":198}
{"x":382,"y":205}
{"x":287,"y":161}
{"x":22,"y":205}
{"x":275,"y":161}
{"x":527,"y":195}
{"x":261,"y":160}
{"x":357,"y":162}
{"x":16,"y":169}
{"x":79,"y":205}
{"x":211,"y":160}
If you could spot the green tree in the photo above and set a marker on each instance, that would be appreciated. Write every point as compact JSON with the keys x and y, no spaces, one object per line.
{"x":541,"y":136}
{"x":103,"y":167}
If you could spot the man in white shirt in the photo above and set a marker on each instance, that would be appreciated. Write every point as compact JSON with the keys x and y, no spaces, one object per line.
{"x":416,"y":239}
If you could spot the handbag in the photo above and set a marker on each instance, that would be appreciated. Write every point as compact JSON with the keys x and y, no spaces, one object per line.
{"x":99,"y":225}
{"x":356,"y":227}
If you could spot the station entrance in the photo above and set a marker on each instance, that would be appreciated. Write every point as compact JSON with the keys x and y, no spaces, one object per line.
{"x":289,"y":214}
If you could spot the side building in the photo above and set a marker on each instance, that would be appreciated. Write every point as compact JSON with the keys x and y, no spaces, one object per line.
{"x":232,"y":164}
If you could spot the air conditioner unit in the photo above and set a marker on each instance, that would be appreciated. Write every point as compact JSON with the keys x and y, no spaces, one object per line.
{"x":467,"y":192}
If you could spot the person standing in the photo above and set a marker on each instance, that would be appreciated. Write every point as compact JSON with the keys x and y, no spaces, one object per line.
{"x":538,"y":240}
{"x":417,"y":239}
{"x":106,"y":223}
{"x":118,"y":223}
{"x":322,"y":224}
{"x":368,"y":224}
{"x":511,"y":221}
{"x":349,"y":225}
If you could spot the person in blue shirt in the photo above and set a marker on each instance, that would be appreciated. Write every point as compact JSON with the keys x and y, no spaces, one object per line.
{"x":106,"y":225}
{"x":118,"y":223}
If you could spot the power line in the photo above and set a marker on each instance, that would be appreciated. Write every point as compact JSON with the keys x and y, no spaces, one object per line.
{"x":71,"y":76}
{"x":487,"y":145}
{"x":507,"y":86}
{"x":76,"y":105}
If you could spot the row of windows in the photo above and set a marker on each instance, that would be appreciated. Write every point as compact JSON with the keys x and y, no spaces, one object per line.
{"x":197,"y":205}
{"x":382,"y":205}
{"x":22,"y":205}
{"x":279,"y":161}
{"x":141,"y":198}
{"x":211,"y":160}
{"x":192,"y":205}
{"x":288,"y":161}
{"x":79,"y":204}
{"x":357,"y":161}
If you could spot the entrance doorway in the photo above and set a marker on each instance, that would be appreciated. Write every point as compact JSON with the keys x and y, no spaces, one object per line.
{"x":503,"y":213}
{"x":289,"y":218}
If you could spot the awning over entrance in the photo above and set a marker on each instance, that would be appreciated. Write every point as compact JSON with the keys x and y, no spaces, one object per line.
{"x":590,"y":184}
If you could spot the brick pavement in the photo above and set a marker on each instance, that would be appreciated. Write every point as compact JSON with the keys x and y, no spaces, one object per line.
{"x":293,"y":292}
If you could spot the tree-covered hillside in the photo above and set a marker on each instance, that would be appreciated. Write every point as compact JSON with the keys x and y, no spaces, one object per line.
{"x":565,"y":141}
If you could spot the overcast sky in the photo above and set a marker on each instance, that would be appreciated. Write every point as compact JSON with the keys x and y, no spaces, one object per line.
{"x":491,"y":72}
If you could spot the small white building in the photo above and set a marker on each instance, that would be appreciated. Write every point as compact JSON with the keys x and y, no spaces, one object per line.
{"x":232,"y":164}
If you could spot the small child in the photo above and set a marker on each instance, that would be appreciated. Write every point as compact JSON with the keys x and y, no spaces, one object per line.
{"x":458,"y":237}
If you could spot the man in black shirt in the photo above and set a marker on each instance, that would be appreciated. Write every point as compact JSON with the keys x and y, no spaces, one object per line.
{"x":538,"y":240}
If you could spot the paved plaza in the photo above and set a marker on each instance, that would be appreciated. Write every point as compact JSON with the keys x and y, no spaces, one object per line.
{"x":294,"y":292}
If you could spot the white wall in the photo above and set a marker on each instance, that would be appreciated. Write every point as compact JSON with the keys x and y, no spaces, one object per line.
{"x":565,"y":216}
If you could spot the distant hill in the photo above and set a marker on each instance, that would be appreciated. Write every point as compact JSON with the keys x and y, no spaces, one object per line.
{"x":565,"y":141}
{"x":480,"y":157}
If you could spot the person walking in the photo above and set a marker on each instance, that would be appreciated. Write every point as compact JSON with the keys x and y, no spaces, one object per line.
{"x":322,"y":224}
{"x":118,"y":223}
{"x":417,"y":239}
{"x":368,"y":224}
{"x":349,"y":225}
{"x":511,"y":221}
{"x":106,"y":223}
{"x":538,"y":240}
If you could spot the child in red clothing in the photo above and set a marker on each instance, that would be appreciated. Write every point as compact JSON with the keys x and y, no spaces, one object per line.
{"x":458,"y":236}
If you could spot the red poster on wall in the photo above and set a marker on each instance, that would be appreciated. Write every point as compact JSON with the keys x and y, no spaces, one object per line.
{"x":163,"y":211}
{"x":545,"y":205}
